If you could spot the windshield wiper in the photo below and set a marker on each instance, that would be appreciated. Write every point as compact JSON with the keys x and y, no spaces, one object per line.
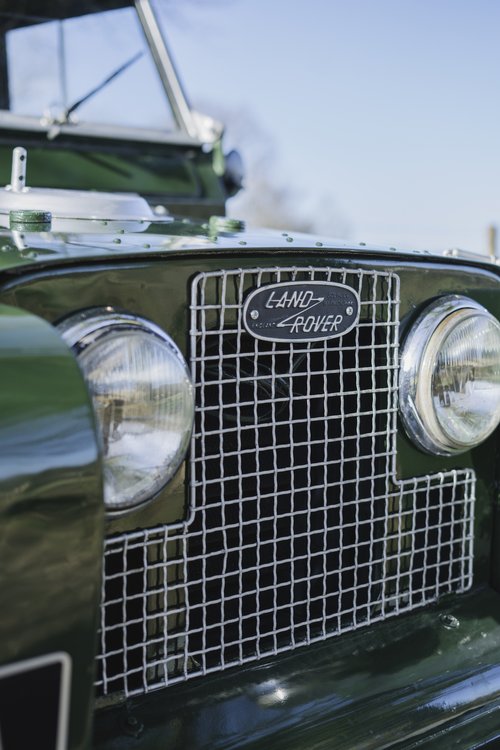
{"x":102,"y":85}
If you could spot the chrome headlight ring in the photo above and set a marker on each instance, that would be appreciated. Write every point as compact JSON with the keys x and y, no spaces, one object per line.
{"x":433,"y":380}
{"x":143,"y":399}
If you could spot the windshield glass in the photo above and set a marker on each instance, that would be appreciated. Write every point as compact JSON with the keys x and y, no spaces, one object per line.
{"x":91,"y":68}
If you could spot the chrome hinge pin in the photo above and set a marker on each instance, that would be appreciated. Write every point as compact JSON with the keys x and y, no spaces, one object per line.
{"x":18,"y":174}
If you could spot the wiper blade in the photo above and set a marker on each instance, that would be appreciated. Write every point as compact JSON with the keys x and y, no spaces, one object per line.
{"x":102,"y":85}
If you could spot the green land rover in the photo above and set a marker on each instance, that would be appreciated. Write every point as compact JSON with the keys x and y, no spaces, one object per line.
{"x":248,"y":478}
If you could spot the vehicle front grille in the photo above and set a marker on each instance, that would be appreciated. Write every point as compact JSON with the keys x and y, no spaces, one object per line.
{"x":296,"y":528}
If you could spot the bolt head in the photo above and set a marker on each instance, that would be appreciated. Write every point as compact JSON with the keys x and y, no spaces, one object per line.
{"x":450,"y":622}
{"x":254,"y":314}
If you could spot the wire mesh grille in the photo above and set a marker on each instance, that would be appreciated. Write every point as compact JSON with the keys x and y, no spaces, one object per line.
{"x":296,"y":528}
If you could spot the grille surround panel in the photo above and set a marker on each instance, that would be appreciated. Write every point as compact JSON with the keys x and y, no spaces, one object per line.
{"x":296,"y":528}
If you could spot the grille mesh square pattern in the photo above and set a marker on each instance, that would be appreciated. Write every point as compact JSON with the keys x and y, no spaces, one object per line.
{"x":296,"y":529}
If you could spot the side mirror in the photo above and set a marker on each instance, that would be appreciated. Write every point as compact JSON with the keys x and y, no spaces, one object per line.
{"x":234,"y":172}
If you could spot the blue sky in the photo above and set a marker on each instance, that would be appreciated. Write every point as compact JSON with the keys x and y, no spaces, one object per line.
{"x":387,"y":110}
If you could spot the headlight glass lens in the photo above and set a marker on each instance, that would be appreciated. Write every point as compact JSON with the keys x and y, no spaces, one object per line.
{"x":450,"y":377}
{"x":143,"y":400}
{"x":466,"y":380}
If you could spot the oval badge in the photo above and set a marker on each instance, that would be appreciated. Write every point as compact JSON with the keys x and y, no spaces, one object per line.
{"x":301,"y":311}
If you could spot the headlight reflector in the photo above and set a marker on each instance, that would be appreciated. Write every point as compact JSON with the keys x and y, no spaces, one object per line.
{"x":450,"y":376}
{"x":143,"y":400}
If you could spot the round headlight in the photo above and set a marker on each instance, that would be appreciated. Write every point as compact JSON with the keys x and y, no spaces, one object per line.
{"x":449,"y":394}
{"x":143,"y":400}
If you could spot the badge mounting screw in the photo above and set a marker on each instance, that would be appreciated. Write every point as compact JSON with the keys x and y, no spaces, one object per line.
{"x":349,"y":310}
{"x":254,"y":314}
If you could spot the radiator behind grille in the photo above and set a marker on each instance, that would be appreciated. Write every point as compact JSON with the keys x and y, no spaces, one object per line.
{"x":296,"y":529}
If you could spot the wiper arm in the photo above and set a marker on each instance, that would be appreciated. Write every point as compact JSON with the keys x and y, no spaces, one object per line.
{"x":102,"y":85}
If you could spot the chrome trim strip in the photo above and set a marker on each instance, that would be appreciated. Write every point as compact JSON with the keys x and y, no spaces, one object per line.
{"x":166,"y":68}
{"x":35,"y":125}
{"x":38,"y":662}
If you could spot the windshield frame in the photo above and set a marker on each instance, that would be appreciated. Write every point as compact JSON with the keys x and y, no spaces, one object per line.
{"x":188,"y":131}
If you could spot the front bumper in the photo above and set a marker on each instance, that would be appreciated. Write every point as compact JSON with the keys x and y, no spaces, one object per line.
{"x":404,"y":683}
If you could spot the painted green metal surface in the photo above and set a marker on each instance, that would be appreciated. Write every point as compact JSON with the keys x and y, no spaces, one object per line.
{"x":182,"y":178}
{"x":50,"y":508}
{"x":408,"y":677}
{"x":409,"y":682}
{"x":200,"y":239}
{"x":401,"y":684}
{"x":157,"y":287}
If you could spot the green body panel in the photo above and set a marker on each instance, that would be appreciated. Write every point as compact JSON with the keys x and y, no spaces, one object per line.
{"x":197,"y":240}
{"x":50,"y":508}
{"x":404,"y":683}
{"x":180,"y":178}
{"x":158,"y":290}
{"x":421,"y":680}
{"x":404,"y":677}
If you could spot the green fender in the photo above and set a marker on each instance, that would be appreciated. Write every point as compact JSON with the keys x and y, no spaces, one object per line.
{"x":51,"y":509}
